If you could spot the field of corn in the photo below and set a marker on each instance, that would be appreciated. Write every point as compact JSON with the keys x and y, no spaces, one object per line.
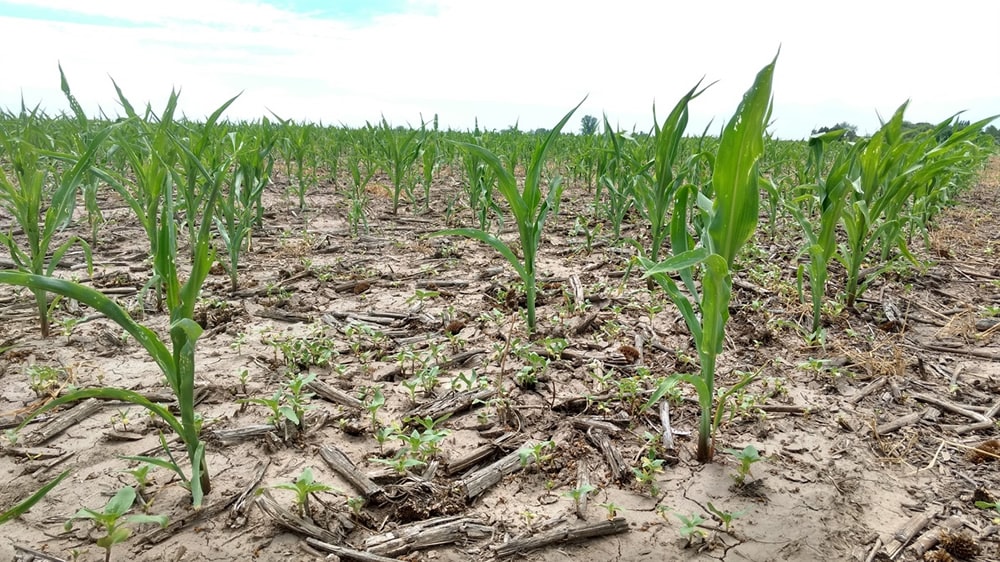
{"x":284,"y":341}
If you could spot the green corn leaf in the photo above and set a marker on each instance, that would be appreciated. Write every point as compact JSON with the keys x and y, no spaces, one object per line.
{"x":99,"y":302}
{"x":679,"y":262}
{"x":155,"y":461}
{"x":23,"y":507}
{"x":716,"y":291}
{"x":735,"y":175}
{"x":493,"y":241}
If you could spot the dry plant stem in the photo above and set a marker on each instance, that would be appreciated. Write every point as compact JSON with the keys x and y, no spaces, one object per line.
{"x":177,"y":525}
{"x":561,"y":536}
{"x":582,"y":482}
{"x":668,"y":434}
{"x":485,"y":478}
{"x":988,"y":424}
{"x":293,"y":522}
{"x":64,"y":421}
{"x":950,"y":407}
{"x":348,"y":553}
{"x":343,"y":466}
{"x":426,"y":534}
{"x":328,"y":392}
{"x":238,"y":512}
{"x":874,"y":550}
{"x":907,"y":531}
{"x":36,"y":554}
{"x":902,"y":421}
{"x":930,"y":538}
{"x":452,"y":404}
{"x":868,"y":389}
{"x":480,"y":454}
{"x":238,"y":434}
{"x":612,"y":456}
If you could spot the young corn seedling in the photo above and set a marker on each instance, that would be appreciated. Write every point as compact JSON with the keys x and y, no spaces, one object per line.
{"x":112,"y":519}
{"x":891,"y":169}
{"x":620,"y":168}
{"x":81,"y":138}
{"x":480,"y":182}
{"x":239,"y":209}
{"x":726,"y":224}
{"x":428,"y":161}
{"x":528,"y":208}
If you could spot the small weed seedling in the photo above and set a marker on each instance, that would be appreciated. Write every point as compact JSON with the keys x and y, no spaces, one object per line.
{"x":401,"y":463}
{"x":141,"y":475}
{"x":112,"y":520}
{"x":355,"y":504}
{"x":991,"y":505}
{"x":577,"y":494}
{"x":747,"y":457}
{"x":383,"y":434}
{"x":304,"y":486}
{"x":374,"y":404}
{"x":612,"y":509}
{"x":690,"y":529}
{"x":44,"y":379}
{"x":537,"y":453}
{"x":645,"y":474}
{"x":725,"y":517}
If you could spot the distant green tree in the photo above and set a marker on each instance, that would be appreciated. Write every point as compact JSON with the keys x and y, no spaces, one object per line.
{"x":850,"y":136}
{"x":588,"y":125}
{"x":993,"y":132}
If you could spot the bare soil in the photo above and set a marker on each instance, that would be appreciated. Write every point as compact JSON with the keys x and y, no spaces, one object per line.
{"x":831,"y":486}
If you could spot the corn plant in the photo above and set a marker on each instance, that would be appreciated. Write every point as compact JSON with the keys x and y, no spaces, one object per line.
{"x":240,"y":209}
{"x":654,"y":195}
{"x":42,"y":212}
{"x":79,"y":139}
{"x":528,"y":208}
{"x":429,"y":161}
{"x":618,"y":170}
{"x":177,"y":363}
{"x":892,"y":167}
{"x":398,"y":150}
{"x":361,"y":169}
{"x":727,"y":221}
{"x":480,"y":182}
{"x":829,"y":195}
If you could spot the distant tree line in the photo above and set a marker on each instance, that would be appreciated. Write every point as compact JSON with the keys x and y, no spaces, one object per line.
{"x":943,"y":134}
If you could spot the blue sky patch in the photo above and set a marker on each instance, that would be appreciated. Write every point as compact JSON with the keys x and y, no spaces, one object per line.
{"x":41,"y":13}
{"x":348,"y":11}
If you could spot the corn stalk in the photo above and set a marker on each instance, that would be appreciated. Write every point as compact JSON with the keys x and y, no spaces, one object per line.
{"x":726,"y":223}
{"x":527,"y":206}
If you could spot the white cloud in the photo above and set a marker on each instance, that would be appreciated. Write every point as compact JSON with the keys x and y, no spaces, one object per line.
{"x":517,"y":59}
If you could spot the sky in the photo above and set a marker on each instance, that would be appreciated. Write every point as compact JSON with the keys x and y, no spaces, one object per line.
{"x":524,"y":62}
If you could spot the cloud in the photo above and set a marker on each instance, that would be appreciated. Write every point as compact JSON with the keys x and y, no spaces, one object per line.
{"x":517,"y":60}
